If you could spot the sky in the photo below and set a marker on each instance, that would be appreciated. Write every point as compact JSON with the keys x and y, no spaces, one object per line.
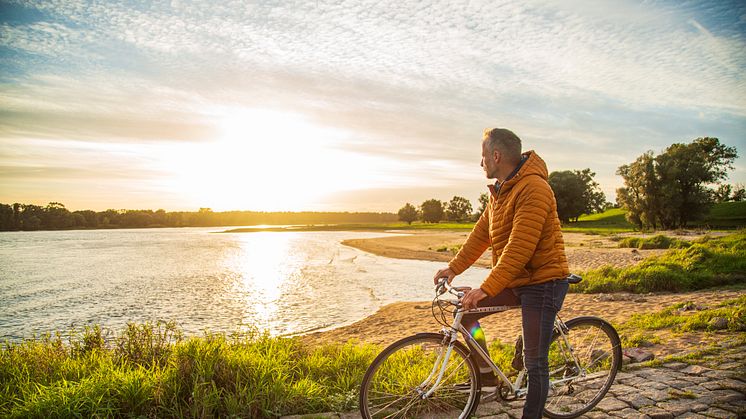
{"x":351,"y":105}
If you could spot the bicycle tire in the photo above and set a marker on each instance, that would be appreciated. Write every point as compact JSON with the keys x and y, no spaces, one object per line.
{"x":598,"y":348}
{"x":403,"y":365}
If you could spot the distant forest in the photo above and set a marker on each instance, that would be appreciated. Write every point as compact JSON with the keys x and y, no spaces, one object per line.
{"x":55,"y":216}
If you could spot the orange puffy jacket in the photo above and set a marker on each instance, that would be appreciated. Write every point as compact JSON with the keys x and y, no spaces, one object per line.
{"x":522,"y":227}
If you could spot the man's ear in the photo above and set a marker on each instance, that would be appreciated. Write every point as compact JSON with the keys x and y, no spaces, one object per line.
{"x":496,"y":156}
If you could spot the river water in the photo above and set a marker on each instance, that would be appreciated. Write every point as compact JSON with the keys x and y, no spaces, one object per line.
{"x":283,"y":282}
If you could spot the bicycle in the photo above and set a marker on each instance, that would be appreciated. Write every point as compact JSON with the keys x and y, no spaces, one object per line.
{"x":435,"y":375}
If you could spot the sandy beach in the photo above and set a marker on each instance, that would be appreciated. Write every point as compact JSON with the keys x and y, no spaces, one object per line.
{"x":402,"y":319}
{"x":583,"y":251}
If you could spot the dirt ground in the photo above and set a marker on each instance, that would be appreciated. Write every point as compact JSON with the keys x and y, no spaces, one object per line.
{"x":584,"y":251}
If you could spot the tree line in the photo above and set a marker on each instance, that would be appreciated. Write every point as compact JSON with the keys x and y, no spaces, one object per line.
{"x":55,"y":216}
{"x":577,"y":193}
{"x":667,"y":191}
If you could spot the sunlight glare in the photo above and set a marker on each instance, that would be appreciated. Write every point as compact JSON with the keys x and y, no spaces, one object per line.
{"x":268,"y":161}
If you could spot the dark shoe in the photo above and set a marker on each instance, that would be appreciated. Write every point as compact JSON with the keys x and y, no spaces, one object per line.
{"x":517,"y":363}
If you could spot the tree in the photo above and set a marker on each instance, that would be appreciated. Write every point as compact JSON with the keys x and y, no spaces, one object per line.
{"x":408,"y":213}
{"x":432,"y":211}
{"x":459,"y":209}
{"x":739,"y":194}
{"x":674,"y":188}
{"x":593,"y":196}
{"x":576,"y":193}
{"x":722,"y":193}
{"x":484,"y":200}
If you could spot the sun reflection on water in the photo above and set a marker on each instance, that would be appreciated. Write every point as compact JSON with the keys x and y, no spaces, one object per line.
{"x":263,"y":265}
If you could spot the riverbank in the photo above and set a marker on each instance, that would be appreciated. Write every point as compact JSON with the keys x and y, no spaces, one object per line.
{"x":584,"y":251}
{"x":399,"y":320}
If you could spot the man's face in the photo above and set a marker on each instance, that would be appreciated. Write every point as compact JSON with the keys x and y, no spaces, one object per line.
{"x":489,"y":161}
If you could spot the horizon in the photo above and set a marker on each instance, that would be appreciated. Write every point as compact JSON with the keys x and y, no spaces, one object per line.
{"x":324,"y":108}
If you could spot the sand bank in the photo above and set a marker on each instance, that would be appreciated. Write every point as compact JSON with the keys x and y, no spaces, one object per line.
{"x":584,"y":251}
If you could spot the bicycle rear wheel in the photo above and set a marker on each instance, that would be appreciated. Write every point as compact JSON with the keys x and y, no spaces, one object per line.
{"x":583,"y":368}
{"x":394,"y":385}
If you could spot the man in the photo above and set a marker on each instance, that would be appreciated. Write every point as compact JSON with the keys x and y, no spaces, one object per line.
{"x":529,"y":265}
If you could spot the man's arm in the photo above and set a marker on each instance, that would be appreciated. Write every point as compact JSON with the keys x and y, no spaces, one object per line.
{"x":477,"y":242}
{"x":531,"y":211}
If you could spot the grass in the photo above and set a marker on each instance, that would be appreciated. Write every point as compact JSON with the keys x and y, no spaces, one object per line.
{"x":704,"y":264}
{"x":151,"y":370}
{"x":656,"y":242}
{"x":611,"y":221}
{"x":673,"y":318}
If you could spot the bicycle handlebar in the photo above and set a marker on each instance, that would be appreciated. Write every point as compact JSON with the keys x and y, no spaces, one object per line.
{"x":443,"y":286}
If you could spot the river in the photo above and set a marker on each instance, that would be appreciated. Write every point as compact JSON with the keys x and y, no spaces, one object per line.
{"x":283,"y":282}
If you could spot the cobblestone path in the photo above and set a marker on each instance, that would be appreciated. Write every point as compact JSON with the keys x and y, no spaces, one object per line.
{"x":711,"y":385}
{"x":714,"y":386}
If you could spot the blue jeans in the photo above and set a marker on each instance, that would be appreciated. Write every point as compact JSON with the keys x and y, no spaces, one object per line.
{"x":539,"y":306}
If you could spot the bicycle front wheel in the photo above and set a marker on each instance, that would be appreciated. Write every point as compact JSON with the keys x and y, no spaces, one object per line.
{"x":399,"y":382}
{"x":582,"y":366}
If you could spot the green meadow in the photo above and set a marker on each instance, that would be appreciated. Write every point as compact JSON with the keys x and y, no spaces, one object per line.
{"x":152,"y":371}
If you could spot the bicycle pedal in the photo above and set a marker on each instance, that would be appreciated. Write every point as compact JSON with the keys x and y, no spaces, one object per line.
{"x":489,"y":395}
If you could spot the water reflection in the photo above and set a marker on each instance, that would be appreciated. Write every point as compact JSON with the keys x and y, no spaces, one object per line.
{"x":282,"y":282}
{"x":263,"y":264}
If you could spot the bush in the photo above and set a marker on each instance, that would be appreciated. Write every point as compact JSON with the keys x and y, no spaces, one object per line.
{"x":656,"y":242}
{"x":709,"y":263}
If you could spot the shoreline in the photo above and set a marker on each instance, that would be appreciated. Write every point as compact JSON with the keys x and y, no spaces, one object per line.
{"x":400,"y":319}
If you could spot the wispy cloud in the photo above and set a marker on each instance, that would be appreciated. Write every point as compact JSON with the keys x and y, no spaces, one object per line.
{"x":413,"y":83}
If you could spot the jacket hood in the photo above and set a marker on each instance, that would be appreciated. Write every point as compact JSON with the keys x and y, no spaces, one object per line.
{"x":533,"y":166}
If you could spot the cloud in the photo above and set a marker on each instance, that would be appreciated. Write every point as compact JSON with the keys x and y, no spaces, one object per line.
{"x":414,"y":83}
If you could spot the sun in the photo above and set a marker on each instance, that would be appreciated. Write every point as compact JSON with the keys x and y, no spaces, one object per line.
{"x":267,"y":160}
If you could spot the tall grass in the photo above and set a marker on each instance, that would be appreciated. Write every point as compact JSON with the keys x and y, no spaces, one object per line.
{"x":151,"y":370}
{"x":704,"y":264}
{"x":656,"y":242}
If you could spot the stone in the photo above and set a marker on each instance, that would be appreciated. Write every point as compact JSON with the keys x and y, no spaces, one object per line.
{"x":656,"y":412}
{"x":714,"y":412}
{"x":675,"y":406}
{"x":675,"y":365}
{"x":487,"y":409}
{"x":618,"y":389}
{"x":638,"y":355}
{"x":727,"y":396}
{"x":679,"y":384}
{"x":636,"y":400}
{"x":691,"y":415}
{"x":719,"y":323}
{"x":628,"y":414}
{"x":655,"y":395}
{"x":696,"y":370}
{"x":611,"y":404}
{"x":634,"y":381}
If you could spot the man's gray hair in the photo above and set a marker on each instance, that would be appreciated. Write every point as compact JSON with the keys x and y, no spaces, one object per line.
{"x":505,"y":141}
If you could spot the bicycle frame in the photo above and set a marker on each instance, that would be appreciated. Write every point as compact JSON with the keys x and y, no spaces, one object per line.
{"x":517,"y":388}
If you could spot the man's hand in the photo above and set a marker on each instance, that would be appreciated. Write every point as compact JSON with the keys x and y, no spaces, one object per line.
{"x":446,"y":272}
{"x":473,"y":297}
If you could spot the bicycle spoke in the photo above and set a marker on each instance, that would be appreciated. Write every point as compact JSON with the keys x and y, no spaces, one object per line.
{"x":399,"y":380}
{"x":581,"y":377}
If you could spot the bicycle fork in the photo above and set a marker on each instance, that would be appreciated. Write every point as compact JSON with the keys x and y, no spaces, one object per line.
{"x":441,"y":363}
